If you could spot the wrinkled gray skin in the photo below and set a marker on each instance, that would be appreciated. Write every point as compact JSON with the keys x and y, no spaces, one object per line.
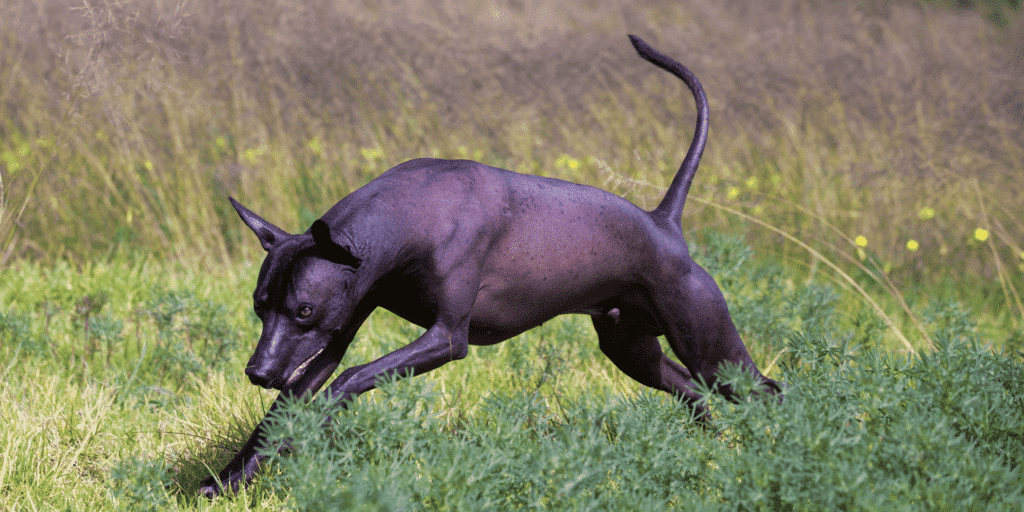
{"x":476,"y":255}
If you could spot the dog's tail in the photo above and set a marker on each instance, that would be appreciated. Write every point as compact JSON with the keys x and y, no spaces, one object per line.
{"x":671,"y":207}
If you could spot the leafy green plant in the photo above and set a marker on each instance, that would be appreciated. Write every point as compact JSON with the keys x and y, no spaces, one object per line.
{"x":15,"y":330}
{"x":142,"y":484}
{"x":193,"y":334}
{"x":863,"y":429}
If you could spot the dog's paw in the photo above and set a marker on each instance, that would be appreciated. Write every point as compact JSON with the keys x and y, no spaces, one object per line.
{"x":211,"y":487}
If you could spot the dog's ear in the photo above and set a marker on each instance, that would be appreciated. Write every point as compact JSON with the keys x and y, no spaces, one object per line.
{"x":329,"y":249}
{"x":268,"y":233}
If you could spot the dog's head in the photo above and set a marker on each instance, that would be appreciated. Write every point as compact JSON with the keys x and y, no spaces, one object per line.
{"x":302,"y":297}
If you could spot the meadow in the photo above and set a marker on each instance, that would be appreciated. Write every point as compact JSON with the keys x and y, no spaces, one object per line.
{"x":859,"y":204}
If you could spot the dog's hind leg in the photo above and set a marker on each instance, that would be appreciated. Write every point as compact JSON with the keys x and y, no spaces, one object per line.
{"x":700,"y":330}
{"x":624,"y":339}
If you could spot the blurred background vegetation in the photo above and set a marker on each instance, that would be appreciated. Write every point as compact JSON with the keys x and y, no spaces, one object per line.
{"x":885,"y":136}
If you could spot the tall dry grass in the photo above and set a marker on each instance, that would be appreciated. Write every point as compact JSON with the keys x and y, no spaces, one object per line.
{"x":885,"y":136}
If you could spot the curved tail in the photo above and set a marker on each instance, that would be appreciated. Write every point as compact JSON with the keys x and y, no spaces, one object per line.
{"x":671,"y":207}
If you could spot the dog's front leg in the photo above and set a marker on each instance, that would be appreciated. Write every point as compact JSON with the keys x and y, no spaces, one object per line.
{"x":434,"y":348}
{"x":246,"y":462}
{"x":446,"y":340}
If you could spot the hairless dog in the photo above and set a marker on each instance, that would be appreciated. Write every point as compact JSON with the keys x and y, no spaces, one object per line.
{"x":476,"y":255}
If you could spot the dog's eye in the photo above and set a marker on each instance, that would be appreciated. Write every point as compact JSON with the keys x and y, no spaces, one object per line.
{"x":305,"y":312}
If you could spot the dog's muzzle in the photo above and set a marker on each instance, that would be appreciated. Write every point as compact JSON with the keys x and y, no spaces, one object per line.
{"x":301,"y":369}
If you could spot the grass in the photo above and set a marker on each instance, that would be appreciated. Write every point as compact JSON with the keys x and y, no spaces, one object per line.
{"x":864,"y":162}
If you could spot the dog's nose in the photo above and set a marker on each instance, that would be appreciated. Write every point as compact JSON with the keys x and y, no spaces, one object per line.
{"x":259,"y":376}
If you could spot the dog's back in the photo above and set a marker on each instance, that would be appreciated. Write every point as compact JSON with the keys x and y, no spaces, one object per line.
{"x":546,"y":246}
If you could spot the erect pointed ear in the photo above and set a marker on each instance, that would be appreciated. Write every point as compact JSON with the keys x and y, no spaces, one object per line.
{"x":329,"y":249}
{"x":268,"y":233}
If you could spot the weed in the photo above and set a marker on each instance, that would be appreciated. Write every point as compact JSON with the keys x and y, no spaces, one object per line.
{"x":87,"y":307}
{"x":874,"y":429}
{"x":15,"y":331}
{"x":142,"y":484}
{"x":107,"y":330}
{"x":190,"y":330}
